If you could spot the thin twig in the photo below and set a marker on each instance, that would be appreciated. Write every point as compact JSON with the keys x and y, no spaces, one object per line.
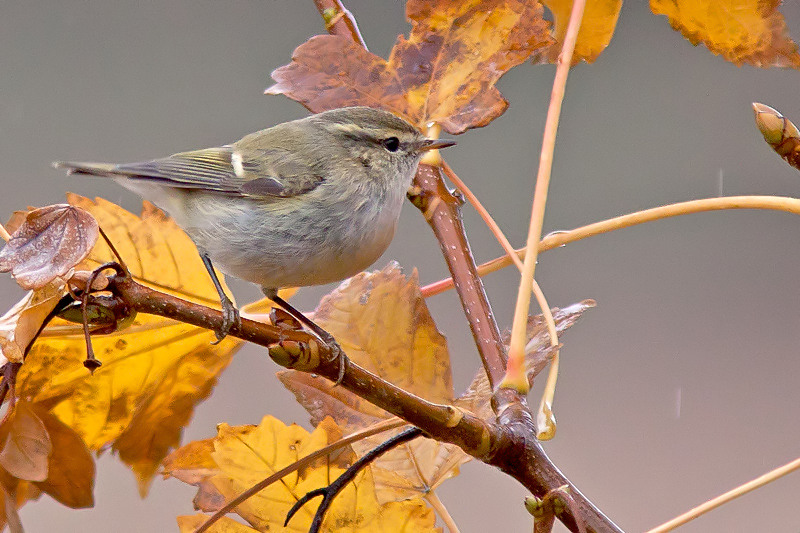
{"x":380,"y":427}
{"x":4,"y":233}
{"x":516,"y":378}
{"x":562,"y":238}
{"x":484,"y":214}
{"x":442,"y":511}
{"x":741,"y":490}
{"x":339,"y":20}
{"x":546,"y":430}
{"x":329,"y":493}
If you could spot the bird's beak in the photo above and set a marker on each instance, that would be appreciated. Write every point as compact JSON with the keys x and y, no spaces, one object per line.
{"x":434,"y":144}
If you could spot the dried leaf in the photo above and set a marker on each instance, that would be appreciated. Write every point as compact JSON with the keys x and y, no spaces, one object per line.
{"x":444,"y":72}
{"x":779,"y":132}
{"x":14,"y":493}
{"x":382,"y":322}
{"x":26,"y":445}
{"x":71,"y":468}
{"x":538,"y":352}
{"x":597,"y":28}
{"x":51,"y":242}
{"x":741,"y":31}
{"x":155,"y":371}
{"x":21,"y":323}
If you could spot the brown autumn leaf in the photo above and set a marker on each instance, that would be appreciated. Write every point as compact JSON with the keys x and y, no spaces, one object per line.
{"x":597,"y":27}
{"x":383,"y":324}
{"x":71,"y":468}
{"x":749,"y":32}
{"x":155,"y":371}
{"x":14,"y":493}
{"x":26,"y":444}
{"x":444,"y":72}
{"x":538,"y":352}
{"x":244,"y":458}
{"x":41,"y":454}
{"x":21,"y":323}
{"x":779,"y":132}
{"x":51,"y":241}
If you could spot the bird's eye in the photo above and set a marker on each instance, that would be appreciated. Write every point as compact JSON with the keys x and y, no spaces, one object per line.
{"x":392,"y":144}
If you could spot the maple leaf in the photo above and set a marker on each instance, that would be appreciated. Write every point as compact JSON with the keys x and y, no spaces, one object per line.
{"x":444,"y":72}
{"x":779,"y":132}
{"x":245,"y":455}
{"x":48,"y":244}
{"x":741,"y":31}
{"x":597,"y":27}
{"x":190,"y":524}
{"x":155,"y":371}
{"x":382,"y":322}
{"x":538,"y":352}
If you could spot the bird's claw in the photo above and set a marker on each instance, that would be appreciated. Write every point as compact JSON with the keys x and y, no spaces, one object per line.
{"x":230,"y":318}
{"x":338,"y":354}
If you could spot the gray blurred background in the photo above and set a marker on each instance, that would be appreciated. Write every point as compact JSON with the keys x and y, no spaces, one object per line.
{"x":679,"y":386}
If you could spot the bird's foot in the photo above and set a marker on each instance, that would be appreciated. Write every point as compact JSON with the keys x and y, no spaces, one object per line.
{"x":230,"y":318}
{"x":337,"y":354}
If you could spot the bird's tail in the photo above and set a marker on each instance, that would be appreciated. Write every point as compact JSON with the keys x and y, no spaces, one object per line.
{"x":106,"y":170}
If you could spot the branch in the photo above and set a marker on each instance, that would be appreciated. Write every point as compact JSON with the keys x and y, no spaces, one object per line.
{"x":339,"y":21}
{"x":561,"y":238}
{"x":442,"y":212}
{"x":516,"y":378}
{"x":509,"y":445}
{"x":331,"y":491}
{"x":302,"y":351}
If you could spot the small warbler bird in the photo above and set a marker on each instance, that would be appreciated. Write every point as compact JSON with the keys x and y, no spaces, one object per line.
{"x":305,"y":202}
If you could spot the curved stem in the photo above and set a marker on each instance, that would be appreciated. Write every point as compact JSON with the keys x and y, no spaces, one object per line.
{"x":741,"y":490}
{"x":515,"y":377}
{"x":4,"y":234}
{"x":561,"y":238}
{"x":442,"y":511}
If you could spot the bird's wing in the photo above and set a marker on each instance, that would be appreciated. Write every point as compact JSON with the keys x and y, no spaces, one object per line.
{"x":257,"y":173}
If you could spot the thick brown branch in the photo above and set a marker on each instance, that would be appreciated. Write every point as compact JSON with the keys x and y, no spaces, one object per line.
{"x":509,"y":445}
{"x":442,"y":210}
{"x":442,"y":422}
{"x":537,"y":472}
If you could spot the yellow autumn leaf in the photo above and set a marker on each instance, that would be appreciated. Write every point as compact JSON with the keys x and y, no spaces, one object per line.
{"x":382,"y":322}
{"x":597,"y":27}
{"x":741,"y":31}
{"x":189,"y":524}
{"x":245,"y":458}
{"x":155,"y":371}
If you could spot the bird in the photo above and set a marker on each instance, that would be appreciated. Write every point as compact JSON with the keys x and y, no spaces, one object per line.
{"x":305,"y":202}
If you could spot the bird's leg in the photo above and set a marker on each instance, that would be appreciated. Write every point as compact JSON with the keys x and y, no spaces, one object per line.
{"x":323,"y":335}
{"x":230,"y":315}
